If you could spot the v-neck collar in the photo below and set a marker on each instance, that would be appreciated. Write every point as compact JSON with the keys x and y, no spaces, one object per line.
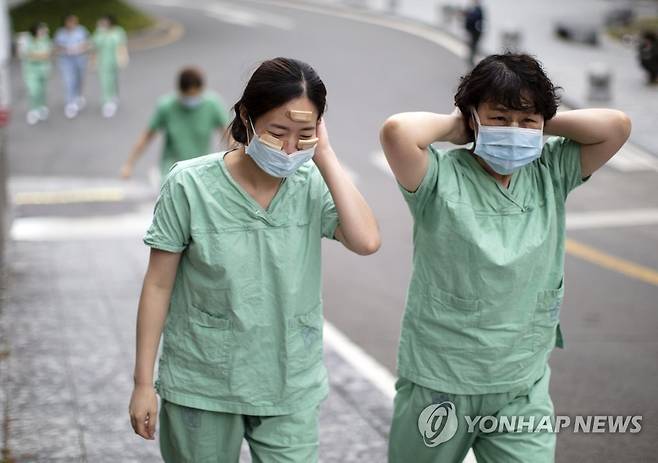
{"x":254,"y":206}
{"x":507,"y":192}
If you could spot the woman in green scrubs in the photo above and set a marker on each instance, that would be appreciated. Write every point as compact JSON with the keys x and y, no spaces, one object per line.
{"x":36,"y":53}
{"x":234,"y":278}
{"x":109,"y":42}
{"x":482,"y":309}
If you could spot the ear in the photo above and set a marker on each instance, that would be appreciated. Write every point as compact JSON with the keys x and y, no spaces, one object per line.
{"x":243,"y":115}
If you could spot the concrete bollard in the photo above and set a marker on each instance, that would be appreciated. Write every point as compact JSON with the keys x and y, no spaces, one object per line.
{"x":599,"y":80}
{"x":511,"y":39}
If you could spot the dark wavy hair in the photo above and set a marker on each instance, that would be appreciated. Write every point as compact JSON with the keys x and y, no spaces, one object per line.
{"x":514,"y":80}
{"x":273,"y":83}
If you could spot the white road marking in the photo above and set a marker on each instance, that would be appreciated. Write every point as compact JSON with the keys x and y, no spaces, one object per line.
{"x":378,"y":159}
{"x":82,"y":228}
{"x":232,"y":14}
{"x":615,"y":218}
{"x":377,"y":374}
{"x":446,"y":41}
{"x":632,"y":158}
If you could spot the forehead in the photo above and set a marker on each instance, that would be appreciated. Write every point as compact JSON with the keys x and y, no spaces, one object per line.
{"x":499,"y":107}
{"x":280,"y":114}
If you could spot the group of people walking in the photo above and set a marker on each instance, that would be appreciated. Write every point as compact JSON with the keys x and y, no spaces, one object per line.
{"x":71,"y":47}
{"x":234,"y":275}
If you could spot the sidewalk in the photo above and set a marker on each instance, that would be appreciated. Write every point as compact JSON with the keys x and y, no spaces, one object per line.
{"x":67,"y":329}
{"x":566,"y":63}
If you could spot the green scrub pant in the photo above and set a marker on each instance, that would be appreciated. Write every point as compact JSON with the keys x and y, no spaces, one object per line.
{"x":109,"y":80}
{"x":407,"y":444}
{"x":190,"y":435}
{"x":36,"y":81}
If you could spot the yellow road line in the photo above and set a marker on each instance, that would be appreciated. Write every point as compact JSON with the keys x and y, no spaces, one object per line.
{"x":71,"y":196}
{"x":628,"y":268}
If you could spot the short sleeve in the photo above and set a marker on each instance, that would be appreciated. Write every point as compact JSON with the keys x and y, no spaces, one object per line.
{"x":562,"y":156}
{"x":416,"y":200}
{"x":170,"y":228}
{"x":158,"y":118}
{"x":328,"y":212}
{"x":121,"y":32}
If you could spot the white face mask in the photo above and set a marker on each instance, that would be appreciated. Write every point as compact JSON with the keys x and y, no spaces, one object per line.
{"x":273,"y":161}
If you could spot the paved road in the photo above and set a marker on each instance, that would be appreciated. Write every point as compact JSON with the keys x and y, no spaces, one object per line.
{"x":610,"y":317}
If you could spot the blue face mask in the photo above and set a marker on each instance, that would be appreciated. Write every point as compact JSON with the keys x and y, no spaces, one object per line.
{"x":273,"y":161}
{"x":191,"y":101}
{"x":507,"y":149}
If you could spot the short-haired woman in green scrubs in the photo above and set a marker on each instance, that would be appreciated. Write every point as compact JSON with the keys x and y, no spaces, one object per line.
{"x":483,"y":305}
{"x":234,"y":278}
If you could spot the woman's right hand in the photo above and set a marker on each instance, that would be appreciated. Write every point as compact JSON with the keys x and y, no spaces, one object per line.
{"x":459,"y":134}
{"x":126,"y":171}
{"x":143,"y":411}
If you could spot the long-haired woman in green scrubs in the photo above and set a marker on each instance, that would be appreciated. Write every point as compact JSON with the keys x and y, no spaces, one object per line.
{"x":234,"y":278}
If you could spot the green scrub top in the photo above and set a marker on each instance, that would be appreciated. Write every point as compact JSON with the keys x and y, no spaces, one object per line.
{"x":244,"y":329}
{"x":482,"y":309}
{"x":107,"y":43}
{"x":188,"y":131}
{"x":37,"y":45}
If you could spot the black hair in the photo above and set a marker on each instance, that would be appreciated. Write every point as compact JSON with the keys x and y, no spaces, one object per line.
{"x":275,"y":82}
{"x":514,"y":80}
{"x":110,"y":18}
{"x":189,"y":78}
{"x":34,"y":28}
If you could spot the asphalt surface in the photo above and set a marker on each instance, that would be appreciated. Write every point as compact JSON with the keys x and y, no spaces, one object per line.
{"x":609,"y":319}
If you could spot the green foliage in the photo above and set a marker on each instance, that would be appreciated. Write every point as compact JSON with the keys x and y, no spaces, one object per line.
{"x":88,"y":11}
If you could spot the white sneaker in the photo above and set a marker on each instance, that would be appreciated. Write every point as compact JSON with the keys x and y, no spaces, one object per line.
{"x":71,"y":110}
{"x":109,"y":109}
{"x":32,"y":116}
{"x":43,"y":113}
{"x":80,"y":103}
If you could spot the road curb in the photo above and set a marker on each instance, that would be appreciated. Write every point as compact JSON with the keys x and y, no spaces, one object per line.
{"x":163,"y":33}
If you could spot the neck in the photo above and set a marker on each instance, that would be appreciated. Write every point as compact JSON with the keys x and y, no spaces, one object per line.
{"x":256,"y":176}
{"x":504,"y":180}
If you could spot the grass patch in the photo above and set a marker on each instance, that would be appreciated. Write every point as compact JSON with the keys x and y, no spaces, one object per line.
{"x":635,"y":28}
{"x":88,"y":11}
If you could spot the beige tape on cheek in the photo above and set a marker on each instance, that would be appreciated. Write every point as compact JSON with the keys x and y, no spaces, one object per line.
{"x":270,"y":141}
{"x":306,"y":144}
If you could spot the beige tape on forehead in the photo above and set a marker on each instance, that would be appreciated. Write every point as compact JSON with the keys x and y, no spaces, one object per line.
{"x":300,"y":116}
{"x":270,"y":141}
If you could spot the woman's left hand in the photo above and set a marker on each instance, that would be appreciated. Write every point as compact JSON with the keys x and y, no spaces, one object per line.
{"x":323,"y":149}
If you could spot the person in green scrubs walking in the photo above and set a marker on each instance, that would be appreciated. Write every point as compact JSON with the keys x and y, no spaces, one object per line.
{"x":187,"y":120}
{"x":483,"y":304}
{"x":109,"y":41}
{"x":36,"y":51}
{"x":234,"y":277}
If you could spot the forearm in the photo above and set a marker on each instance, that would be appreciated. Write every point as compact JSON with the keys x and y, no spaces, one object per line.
{"x":588,"y":126}
{"x":139,"y":148}
{"x":421,"y":128}
{"x":151,"y":316}
{"x":358,"y":226}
